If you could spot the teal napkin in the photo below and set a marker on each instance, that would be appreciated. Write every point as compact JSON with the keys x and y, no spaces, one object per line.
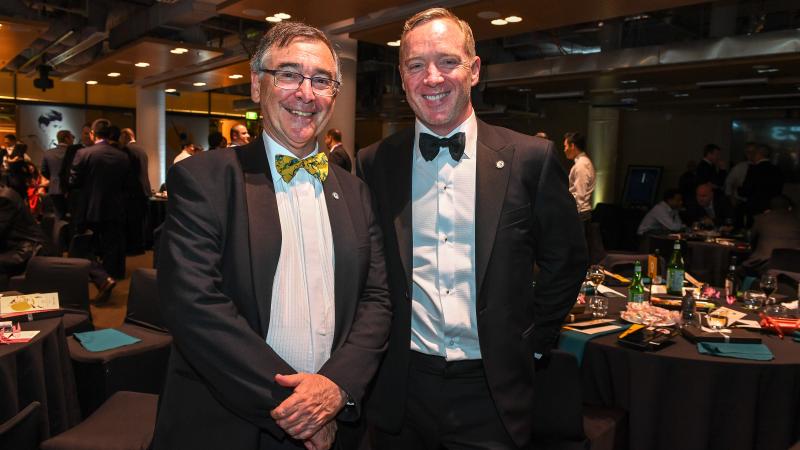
{"x":575,"y":342}
{"x":102,"y":340}
{"x":758,"y":352}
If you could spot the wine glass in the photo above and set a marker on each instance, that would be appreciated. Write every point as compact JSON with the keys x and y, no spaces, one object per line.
{"x":768,"y":284}
{"x":596,"y":275}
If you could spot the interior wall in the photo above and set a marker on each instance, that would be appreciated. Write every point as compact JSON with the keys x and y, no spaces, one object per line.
{"x":671,"y":138}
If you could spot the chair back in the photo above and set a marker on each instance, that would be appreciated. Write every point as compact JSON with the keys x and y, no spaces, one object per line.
{"x":67,"y":276}
{"x":22,"y":431}
{"x":597,"y":251}
{"x":143,"y":308}
{"x":558,"y":412}
{"x":61,"y":236}
{"x":80,"y":246}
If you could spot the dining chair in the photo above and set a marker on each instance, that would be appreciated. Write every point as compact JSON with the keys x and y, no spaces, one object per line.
{"x":615,"y":261}
{"x":22,"y":431}
{"x":143,"y":308}
{"x":126,"y":421}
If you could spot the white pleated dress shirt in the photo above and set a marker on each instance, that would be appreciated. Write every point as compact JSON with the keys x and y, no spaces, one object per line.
{"x":302,"y":312}
{"x":443,"y":316}
{"x":582,"y":181}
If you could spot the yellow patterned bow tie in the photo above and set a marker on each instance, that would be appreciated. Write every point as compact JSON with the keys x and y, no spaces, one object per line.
{"x":316,"y":165}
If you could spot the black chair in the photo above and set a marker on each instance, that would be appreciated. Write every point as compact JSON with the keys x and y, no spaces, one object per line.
{"x":22,"y":431}
{"x":143,"y":309}
{"x":612,"y":261}
{"x":784,"y":263}
{"x":80,"y":245}
{"x":562,"y":421}
{"x":70,"y":278}
{"x":125,"y":422}
{"x":140,"y":367}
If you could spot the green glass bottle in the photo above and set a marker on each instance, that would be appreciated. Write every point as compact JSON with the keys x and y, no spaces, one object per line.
{"x":675,"y":271}
{"x":636,"y":292}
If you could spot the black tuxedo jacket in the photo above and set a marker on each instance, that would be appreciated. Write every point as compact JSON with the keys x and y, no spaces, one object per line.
{"x":139,"y":163}
{"x":524,"y":214}
{"x":100,"y":172}
{"x":340,"y":157}
{"x":219,"y":251}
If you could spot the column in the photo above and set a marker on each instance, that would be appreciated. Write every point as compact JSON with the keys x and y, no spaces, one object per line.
{"x":150,"y":131}
{"x":602,"y":140}
{"x":344,"y":113}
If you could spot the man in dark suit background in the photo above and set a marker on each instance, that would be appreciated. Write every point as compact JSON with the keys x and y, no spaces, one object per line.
{"x":272,"y":338}
{"x":137,"y":193}
{"x":708,"y":170}
{"x":51,"y":169}
{"x":463,"y":228}
{"x":762,"y":182}
{"x":709,"y":208}
{"x":100,"y":172}
{"x":337,"y":153}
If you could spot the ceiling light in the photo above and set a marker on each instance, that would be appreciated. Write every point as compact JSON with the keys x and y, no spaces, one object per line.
{"x":680,"y":94}
{"x":499,"y":22}
{"x":488,"y":15}
{"x":170,"y":90}
{"x":179,"y":50}
{"x":513,"y":19}
{"x":91,"y":82}
{"x":629,"y":81}
{"x":113,"y":74}
{"x":394,"y":43}
{"x":600,"y":24}
{"x":770,"y":70}
{"x":235,"y":76}
{"x":142,"y":64}
{"x":198,"y":84}
{"x":273,"y":19}
{"x":283,"y":16}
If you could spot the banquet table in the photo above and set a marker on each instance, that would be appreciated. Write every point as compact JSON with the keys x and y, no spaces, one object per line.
{"x":707,"y":261}
{"x":677,"y":398}
{"x":40,"y":370}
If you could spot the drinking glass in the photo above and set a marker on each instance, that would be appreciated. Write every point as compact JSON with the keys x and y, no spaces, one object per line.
{"x":596,"y":274}
{"x":768,"y":285}
{"x":753,"y":300}
{"x":598,"y":306}
{"x":716,"y":321}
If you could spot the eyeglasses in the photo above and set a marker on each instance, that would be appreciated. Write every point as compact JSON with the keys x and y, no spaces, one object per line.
{"x":288,"y":80}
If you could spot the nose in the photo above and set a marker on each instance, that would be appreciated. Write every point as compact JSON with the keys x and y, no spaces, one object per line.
{"x":432,"y":75}
{"x":304,"y":91}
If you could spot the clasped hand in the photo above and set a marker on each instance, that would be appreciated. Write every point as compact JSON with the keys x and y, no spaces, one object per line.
{"x":314,"y":403}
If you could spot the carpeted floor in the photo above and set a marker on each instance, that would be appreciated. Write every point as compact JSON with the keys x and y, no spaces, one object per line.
{"x":112,"y":313}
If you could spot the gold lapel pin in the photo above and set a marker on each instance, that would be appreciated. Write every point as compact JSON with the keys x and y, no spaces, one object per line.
{"x":500,"y":164}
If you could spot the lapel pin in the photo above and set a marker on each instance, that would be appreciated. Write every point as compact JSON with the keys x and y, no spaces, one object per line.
{"x":335,"y":195}
{"x":500,"y":164}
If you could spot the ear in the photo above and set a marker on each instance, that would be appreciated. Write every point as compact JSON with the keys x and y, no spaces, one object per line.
{"x":475,"y":70}
{"x":255,"y":87}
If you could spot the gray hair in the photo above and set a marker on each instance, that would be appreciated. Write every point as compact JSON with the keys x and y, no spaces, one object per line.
{"x":282,"y":34}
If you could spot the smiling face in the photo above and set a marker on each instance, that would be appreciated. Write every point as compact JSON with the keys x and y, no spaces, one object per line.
{"x":438,"y":74}
{"x":294,"y":117}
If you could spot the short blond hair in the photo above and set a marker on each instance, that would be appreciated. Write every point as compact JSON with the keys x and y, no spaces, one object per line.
{"x":432,"y":14}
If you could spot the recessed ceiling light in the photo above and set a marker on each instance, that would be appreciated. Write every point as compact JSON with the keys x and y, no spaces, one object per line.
{"x":488,"y":15}
{"x":142,"y":64}
{"x":629,"y":81}
{"x":170,"y":90}
{"x":394,"y":43}
{"x":283,"y":16}
{"x":179,"y":50}
{"x":499,"y":22}
{"x":770,"y":70}
{"x":600,"y":24}
{"x":235,"y":76}
{"x":513,"y":19}
{"x":92,"y":82}
{"x":198,"y":84}
{"x":113,"y":74}
{"x":273,"y":19}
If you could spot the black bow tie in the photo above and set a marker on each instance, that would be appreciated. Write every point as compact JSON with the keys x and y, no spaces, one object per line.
{"x":429,"y":145}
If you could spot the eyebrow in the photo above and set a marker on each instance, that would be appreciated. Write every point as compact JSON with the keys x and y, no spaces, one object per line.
{"x":298,"y":69}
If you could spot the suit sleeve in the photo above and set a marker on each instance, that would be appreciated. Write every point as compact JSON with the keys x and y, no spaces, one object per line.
{"x":560,"y":253}
{"x":77,"y":171}
{"x":234,"y":362}
{"x":353,"y":365}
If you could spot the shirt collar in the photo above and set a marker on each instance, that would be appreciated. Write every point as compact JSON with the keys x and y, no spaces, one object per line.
{"x":469,"y":126}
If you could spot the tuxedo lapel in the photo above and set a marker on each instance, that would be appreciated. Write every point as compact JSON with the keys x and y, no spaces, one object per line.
{"x":400,"y":162}
{"x":492,"y":174}
{"x":344,"y":251}
{"x":264,"y":225}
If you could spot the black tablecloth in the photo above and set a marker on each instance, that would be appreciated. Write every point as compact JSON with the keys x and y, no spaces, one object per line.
{"x":40,"y":370}
{"x":679,"y":399}
{"x":706,"y":261}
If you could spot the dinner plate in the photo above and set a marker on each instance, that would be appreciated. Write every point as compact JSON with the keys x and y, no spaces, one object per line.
{"x":632,"y":317}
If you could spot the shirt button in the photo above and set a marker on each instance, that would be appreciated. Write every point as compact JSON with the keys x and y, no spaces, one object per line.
{"x":447,"y":291}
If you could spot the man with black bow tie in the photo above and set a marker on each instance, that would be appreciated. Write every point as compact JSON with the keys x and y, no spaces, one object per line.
{"x":467,"y":209}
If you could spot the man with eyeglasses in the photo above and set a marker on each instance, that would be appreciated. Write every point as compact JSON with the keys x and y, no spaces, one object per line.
{"x":271,"y":272}
{"x":467,"y":209}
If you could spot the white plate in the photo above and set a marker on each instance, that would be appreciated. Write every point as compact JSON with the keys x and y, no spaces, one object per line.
{"x":630,"y":317}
